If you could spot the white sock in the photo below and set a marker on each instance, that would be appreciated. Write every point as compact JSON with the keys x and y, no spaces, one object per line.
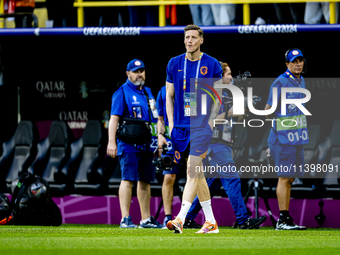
{"x":209,"y":215}
{"x":184,"y":210}
{"x":146,"y":220}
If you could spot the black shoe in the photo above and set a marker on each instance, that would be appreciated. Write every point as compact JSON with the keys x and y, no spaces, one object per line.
{"x":253,"y":223}
{"x":288,"y":224}
{"x":152,"y":223}
{"x":191,"y":224}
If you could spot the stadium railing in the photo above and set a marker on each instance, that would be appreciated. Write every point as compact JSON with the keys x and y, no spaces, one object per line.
{"x":171,"y":30}
{"x":80,"y":4}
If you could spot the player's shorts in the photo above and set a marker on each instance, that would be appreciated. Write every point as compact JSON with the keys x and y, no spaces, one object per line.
{"x":137,"y":166}
{"x":289,"y":159}
{"x":192,"y":141}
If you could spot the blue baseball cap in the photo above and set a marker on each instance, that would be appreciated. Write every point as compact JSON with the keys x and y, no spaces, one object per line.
{"x":134,"y":65}
{"x":293,"y":54}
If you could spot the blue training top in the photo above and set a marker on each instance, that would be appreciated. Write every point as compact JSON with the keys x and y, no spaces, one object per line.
{"x":135,"y":105}
{"x":209,"y":68}
{"x":289,"y":129}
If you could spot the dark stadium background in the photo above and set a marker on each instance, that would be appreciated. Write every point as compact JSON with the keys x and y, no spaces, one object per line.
{"x":101,"y":63}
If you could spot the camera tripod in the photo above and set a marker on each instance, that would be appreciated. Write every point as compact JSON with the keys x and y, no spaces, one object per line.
{"x":256,"y":184}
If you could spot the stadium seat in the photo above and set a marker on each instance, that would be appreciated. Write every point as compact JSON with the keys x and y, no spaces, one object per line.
{"x":89,"y":179}
{"x":25,"y":138}
{"x":307,"y":186}
{"x":7,"y":149}
{"x":331,"y":181}
{"x":314,"y":133}
{"x":53,"y":152}
{"x":63,"y":184}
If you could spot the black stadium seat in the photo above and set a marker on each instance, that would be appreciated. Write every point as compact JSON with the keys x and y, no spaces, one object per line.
{"x":308,"y":182}
{"x":26,"y":138}
{"x":314,"y":133}
{"x":331,"y":181}
{"x":63,"y":184}
{"x":306,"y":186}
{"x":5,"y":162}
{"x":53,"y":152}
{"x":89,"y":178}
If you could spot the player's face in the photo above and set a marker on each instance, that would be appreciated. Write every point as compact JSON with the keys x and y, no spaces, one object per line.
{"x":137,"y":77}
{"x":296,"y":66}
{"x":192,"y":41}
{"x":227,"y":76}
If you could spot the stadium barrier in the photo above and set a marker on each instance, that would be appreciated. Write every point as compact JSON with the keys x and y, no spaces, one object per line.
{"x":177,"y":30}
{"x":105,"y":210}
{"x":80,"y":4}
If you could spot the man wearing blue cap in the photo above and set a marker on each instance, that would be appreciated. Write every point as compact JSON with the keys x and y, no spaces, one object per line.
{"x":131,"y":100}
{"x":288,"y":135}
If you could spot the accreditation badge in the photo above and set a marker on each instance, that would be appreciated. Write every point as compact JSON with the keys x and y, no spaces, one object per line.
{"x":190,"y":104}
{"x":226,"y":135}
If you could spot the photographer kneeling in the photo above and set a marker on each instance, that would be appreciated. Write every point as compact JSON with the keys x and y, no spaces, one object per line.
{"x":131,"y":108}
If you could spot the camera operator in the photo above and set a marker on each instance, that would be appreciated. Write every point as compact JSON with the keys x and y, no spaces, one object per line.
{"x":286,"y":144}
{"x":169,"y":171}
{"x":220,"y":154}
{"x":133,"y":100}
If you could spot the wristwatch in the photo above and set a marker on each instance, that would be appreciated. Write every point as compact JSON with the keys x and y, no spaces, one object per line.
{"x":160,"y":134}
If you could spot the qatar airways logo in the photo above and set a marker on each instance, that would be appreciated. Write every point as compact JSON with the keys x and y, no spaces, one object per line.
{"x":238,"y":102}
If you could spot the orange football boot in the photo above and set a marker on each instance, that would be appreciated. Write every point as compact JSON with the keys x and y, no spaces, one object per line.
{"x":176,"y":225}
{"x":208,"y":228}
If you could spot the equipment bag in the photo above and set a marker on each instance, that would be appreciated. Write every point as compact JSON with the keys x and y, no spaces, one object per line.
{"x":4,"y":209}
{"x":135,"y":131}
{"x":31,"y":203}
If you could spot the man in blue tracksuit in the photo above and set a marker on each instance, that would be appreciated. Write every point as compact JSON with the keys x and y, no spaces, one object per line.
{"x":288,"y":135}
{"x":219,"y":154}
{"x":131,"y":100}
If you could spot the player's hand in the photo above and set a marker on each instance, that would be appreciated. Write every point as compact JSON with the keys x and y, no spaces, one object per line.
{"x":112,"y":149}
{"x":161,"y":141}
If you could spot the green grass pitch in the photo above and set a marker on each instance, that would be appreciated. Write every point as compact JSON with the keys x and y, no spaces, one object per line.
{"x":109,"y":239}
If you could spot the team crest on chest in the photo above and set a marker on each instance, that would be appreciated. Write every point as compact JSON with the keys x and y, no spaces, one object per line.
{"x":204,"y":70}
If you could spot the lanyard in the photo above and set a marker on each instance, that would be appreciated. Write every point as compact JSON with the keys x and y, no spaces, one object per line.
{"x":185,"y":72}
{"x":290,"y":75}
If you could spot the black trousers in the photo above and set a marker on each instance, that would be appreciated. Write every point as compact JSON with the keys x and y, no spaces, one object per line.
{"x":290,"y":13}
{"x":23,"y":21}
